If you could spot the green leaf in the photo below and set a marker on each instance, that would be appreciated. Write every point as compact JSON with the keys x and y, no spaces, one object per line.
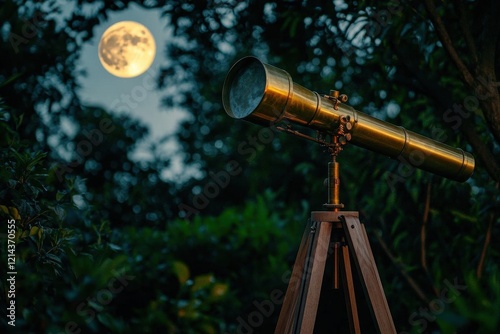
{"x":19,"y":121}
{"x":202,"y":281}
{"x":60,"y":195}
{"x":34,"y":230}
{"x":181,"y":270}
{"x":54,"y":258}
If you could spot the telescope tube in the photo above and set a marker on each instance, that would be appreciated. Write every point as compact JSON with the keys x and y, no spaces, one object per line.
{"x":264,"y":94}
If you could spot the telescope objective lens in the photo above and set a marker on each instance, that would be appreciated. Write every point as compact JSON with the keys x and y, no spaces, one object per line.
{"x":247,"y":89}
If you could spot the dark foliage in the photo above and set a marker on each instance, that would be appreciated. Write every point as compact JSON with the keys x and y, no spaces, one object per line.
{"x":105,"y":244}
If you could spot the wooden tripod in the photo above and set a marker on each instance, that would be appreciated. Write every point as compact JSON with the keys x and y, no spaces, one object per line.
{"x":300,"y":306}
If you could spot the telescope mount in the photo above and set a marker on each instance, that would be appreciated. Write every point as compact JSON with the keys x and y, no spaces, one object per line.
{"x":339,"y":236}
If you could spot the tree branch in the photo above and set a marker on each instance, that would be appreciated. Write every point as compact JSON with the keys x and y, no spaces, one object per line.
{"x":464,"y":19}
{"x":420,"y":293}
{"x":483,"y":58}
{"x":489,"y":38}
{"x":486,"y":84}
{"x":487,"y":239}
{"x":482,"y":151}
{"x":447,"y":43}
{"x":444,"y":99}
{"x":423,"y":230}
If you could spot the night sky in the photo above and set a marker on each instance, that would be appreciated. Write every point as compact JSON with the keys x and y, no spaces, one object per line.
{"x":102,"y":88}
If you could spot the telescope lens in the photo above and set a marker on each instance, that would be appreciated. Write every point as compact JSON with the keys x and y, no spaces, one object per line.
{"x":247,"y":89}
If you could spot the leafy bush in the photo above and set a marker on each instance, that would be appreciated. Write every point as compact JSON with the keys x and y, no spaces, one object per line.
{"x":208,"y":274}
{"x":77,"y":274}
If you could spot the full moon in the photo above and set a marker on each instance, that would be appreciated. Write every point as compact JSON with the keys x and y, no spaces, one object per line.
{"x":127,"y":49}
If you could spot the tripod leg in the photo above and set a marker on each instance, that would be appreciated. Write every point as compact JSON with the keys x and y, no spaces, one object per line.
{"x":290,"y":302}
{"x":314,"y":279}
{"x":350,"y":296}
{"x":305,"y":285}
{"x":365,"y":263}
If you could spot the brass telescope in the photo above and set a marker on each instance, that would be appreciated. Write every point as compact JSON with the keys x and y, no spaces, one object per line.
{"x":264,"y":94}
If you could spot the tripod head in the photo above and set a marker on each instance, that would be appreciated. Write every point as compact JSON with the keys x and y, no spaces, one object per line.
{"x":338,"y":139}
